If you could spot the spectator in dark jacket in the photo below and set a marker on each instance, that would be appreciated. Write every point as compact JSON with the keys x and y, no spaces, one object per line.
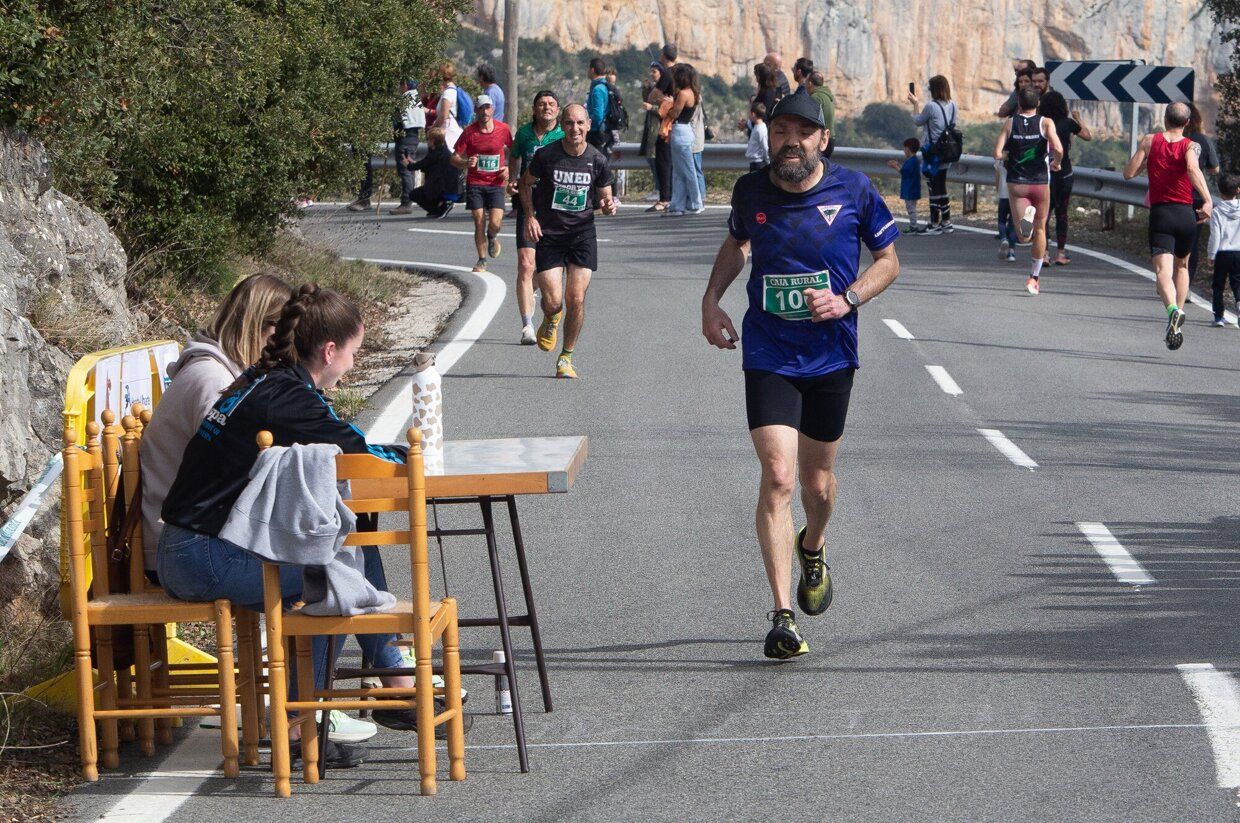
{"x":440,"y":177}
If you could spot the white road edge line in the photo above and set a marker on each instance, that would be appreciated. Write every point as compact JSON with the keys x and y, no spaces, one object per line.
{"x":898,"y":329}
{"x":471,"y":234}
{"x":1008,"y":449}
{"x":1218,"y":699}
{"x":1125,"y":567}
{"x":945,"y":381}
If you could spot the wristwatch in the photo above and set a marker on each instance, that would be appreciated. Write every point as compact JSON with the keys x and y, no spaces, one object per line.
{"x":851,"y":298}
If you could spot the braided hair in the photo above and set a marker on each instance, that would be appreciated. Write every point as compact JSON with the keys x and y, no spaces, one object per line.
{"x":311,"y":318}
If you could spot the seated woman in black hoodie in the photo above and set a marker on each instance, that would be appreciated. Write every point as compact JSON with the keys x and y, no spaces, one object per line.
{"x":440,"y":177}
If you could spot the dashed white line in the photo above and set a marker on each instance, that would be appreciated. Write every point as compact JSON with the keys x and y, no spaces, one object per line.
{"x":1123,"y":565}
{"x":898,"y":329}
{"x":1008,"y":449}
{"x":1218,"y":699}
{"x":945,"y":381}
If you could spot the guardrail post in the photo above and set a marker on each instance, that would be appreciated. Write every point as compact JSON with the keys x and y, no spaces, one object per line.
{"x":1108,"y":214}
{"x":969,"y":200}
{"x":622,"y":183}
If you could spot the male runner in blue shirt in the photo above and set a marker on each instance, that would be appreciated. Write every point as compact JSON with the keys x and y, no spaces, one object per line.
{"x":804,"y":220}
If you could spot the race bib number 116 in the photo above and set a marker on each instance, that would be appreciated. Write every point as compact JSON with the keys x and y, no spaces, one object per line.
{"x":782,"y":293}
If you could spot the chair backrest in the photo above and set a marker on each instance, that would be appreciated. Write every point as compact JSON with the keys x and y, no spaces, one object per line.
{"x":85,"y":492}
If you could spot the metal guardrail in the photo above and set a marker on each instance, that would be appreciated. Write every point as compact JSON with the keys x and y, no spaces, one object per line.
{"x":1096,"y":183}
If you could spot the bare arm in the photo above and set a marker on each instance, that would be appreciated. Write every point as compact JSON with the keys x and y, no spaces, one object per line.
{"x":729,"y":262}
{"x":1138,"y":158}
{"x":1001,"y":141}
{"x":1085,"y":134}
{"x":679,"y":102}
{"x":1193,"y":161}
{"x":460,"y":161}
{"x":1052,"y":139}
{"x":605,"y":202}
{"x":826,"y":305}
{"x":1005,"y":110}
{"x":533,"y":230}
{"x":514,"y":165}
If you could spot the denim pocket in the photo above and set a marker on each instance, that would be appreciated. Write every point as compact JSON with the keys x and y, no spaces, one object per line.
{"x":184,"y":565}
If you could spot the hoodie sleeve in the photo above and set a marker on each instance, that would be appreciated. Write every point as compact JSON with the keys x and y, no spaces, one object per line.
{"x":302,"y":415}
{"x":1216,"y":230}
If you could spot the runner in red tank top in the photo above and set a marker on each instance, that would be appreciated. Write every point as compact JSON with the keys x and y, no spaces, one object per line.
{"x":1172,"y":163}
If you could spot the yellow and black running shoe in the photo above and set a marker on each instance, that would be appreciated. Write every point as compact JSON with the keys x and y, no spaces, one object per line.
{"x":814,"y":592}
{"x":548,"y":329}
{"x":784,"y":641}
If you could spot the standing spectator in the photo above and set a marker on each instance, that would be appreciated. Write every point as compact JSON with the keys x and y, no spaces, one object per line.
{"x":596,"y":105}
{"x":1209,"y":165}
{"x":445,"y":113}
{"x":816,"y":85}
{"x":486,"y":78}
{"x":663,"y":148}
{"x":775,"y":62}
{"x":910,"y":182}
{"x":407,"y":129}
{"x":613,"y":94}
{"x":1041,"y":81}
{"x":801,"y":70}
{"x":1224,"y":247}
{"x":1020,"y":68}
{"x":1067,"y":124}
{"x":651,"y":97}
{"x":698,"y":123}
{"x":758,"y":151}
{"x":934,"y":118}
{"x":686,"y":197}
{"x":768,"y":93}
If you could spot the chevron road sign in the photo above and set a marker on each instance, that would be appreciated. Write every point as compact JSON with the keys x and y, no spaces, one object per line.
{"x":1122,"y":82}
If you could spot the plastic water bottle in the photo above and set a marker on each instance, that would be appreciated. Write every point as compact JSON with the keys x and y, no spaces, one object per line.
{"x":503,"y":696}
{"x":428,"y":408}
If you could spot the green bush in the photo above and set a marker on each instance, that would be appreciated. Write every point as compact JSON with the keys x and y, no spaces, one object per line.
{"x":194,"y":125}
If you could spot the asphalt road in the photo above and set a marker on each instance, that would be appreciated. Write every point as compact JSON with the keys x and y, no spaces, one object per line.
{"x":981,"y":660}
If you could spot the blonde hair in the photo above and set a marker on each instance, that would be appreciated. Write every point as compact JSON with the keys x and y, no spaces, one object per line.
{"x":241,"y":324}
{"x":435,"y":136}
{"x":447,"y":71}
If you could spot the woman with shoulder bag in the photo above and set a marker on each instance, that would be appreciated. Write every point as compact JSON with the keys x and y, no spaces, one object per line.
{"x":935,"y":118}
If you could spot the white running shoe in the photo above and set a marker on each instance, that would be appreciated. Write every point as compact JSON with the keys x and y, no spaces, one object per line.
{"x":346,"y":729}
{"x":528,"y":338}
{"x":1026,"y":221}
{"x":410,"y":661}
{"x":1004,"y":250}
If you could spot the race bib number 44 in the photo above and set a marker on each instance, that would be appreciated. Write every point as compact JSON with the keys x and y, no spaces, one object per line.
{"x":569,"y":198}
{"x":782,"y":294}
{"x":488,"y":162}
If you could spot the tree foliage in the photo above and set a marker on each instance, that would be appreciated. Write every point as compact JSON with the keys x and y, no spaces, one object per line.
{"x":194,"y":125}
{"x":1227,"y":124}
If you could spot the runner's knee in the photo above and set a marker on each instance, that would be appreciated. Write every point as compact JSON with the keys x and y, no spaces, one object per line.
{"x":778,"y":479}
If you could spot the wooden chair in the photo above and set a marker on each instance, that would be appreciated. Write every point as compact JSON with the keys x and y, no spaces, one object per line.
{"x":425,"y":619}
{"x":94,"y":606}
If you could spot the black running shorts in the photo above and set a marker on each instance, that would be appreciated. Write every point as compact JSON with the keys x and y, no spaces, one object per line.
{"x":580,"y":249}
{"x":484,"y":197}
{"x":815,"y":406}
{"x":1173,"y":229}
{"x":518,"y":214}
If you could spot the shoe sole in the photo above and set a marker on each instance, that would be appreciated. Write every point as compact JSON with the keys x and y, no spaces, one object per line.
{"x":803,"y":592}
{"x":1174,"y":337}
{"x":1026,"y":222}
{"x":493,"y":247}
{"x":783,"y":653}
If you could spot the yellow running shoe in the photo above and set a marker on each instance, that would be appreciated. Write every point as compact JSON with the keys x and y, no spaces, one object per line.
{"x":547,"y":330}
{"x":564,"y":367}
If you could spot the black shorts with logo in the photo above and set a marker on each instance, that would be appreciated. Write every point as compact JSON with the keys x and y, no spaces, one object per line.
{"x":484,"y":197}
{"x":577,"y":249}
{"x":815,"y":406}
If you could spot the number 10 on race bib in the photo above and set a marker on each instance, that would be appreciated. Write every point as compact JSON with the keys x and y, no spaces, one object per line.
{"x":782,"y":294}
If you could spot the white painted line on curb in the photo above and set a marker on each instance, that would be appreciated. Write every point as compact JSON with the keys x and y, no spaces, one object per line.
{"x":390,"y":423}
{"x":945,"y":381}
{"x":898,"y":329}
{"x":1009,"y":449}
{"x":1123,"y":565}
{"x":1218,"y":699}
{"x":161,"y":793}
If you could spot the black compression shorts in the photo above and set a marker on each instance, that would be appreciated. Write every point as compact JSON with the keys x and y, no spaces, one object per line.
{"x":1173,"y":229}
{"x":815,"y":406}
{"x":580,"y":249}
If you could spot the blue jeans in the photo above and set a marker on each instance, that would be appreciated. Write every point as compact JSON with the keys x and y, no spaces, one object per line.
{"x":685,"y":193}
{"x":701,"y":176}
{"x":200,"y":568}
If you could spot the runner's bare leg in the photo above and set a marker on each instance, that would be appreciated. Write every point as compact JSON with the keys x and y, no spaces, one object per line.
{"x":818,"y":486}
{"x":777,"y":453}
{"x":480,"y":232}
{"x":575,"y":301}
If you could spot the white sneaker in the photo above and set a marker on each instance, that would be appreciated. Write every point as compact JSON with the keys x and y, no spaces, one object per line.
{"x":1004,"y":249}
{"x":345,"y":729}
{"x":527,"y":335}
{"x":410,"y":661}
{"x":1026,"y":221}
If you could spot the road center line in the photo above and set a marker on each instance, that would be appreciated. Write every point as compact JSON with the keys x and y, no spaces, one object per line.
{"x":1008,"y":449}
{"x":945,"y":381}
{"x":1123,"y":565}
{"x":1218,"y":699}
{"x":898,"y":329}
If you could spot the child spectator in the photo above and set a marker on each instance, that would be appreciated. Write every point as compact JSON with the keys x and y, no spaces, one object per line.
{"x":910,"y":182}
{"x":1224,"y":247}
{"x":757,"y":152}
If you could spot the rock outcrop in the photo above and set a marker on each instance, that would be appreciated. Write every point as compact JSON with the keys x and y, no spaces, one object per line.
{"x":872,"y":49}
{"x":61,"y":264}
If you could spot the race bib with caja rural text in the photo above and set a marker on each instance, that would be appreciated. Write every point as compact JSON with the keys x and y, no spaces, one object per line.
{"x":783,"y":294}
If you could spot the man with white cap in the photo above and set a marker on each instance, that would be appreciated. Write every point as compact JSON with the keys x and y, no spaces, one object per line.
{"x":482,"y":151}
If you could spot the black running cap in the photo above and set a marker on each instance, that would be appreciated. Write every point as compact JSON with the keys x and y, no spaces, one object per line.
{"x":798,"y":105}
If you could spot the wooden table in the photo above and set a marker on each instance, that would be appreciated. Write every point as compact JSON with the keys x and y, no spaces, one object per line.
{"x":481,"y":472}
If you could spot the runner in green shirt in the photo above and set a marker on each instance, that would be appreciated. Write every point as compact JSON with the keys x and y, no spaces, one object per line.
{"x":532,"y":136}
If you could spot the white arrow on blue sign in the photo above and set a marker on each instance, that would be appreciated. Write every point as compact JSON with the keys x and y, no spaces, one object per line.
{"x":1122,"y":82}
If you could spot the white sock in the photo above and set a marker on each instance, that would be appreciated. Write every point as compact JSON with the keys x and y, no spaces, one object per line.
{"x":527,"y":320}
{"x":1036,"y":271}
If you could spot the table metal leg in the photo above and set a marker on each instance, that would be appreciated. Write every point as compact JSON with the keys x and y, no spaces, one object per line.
{"x":519,"y":543}
{"x":501,"y":606}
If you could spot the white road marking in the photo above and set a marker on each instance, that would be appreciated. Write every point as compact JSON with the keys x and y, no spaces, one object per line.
{"x":1123,"y":565}
{"x":470,"y":233}
{"x":1009,"y":449}
{"x":898,"y":328}
{"x":1218,"y":699}
{"x":161,"y":793}
{"x":945,"y":381}
{"x":857,"y":736}
{"x":390,"y":423}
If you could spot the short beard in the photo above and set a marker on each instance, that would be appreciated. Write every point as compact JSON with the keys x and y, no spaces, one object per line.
{"x":800,"y":169}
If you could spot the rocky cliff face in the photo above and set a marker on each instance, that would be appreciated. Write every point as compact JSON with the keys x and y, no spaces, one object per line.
{"x":872,"y":49}
{"x":58,"y":261}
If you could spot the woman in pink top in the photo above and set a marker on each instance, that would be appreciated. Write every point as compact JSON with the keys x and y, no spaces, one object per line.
{"x":1173,"y":164}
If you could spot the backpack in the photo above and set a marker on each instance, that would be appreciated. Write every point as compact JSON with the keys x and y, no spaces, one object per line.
{"x":464,"y":107}
{"x":617,"y":118}
{"x":950,"y":144}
